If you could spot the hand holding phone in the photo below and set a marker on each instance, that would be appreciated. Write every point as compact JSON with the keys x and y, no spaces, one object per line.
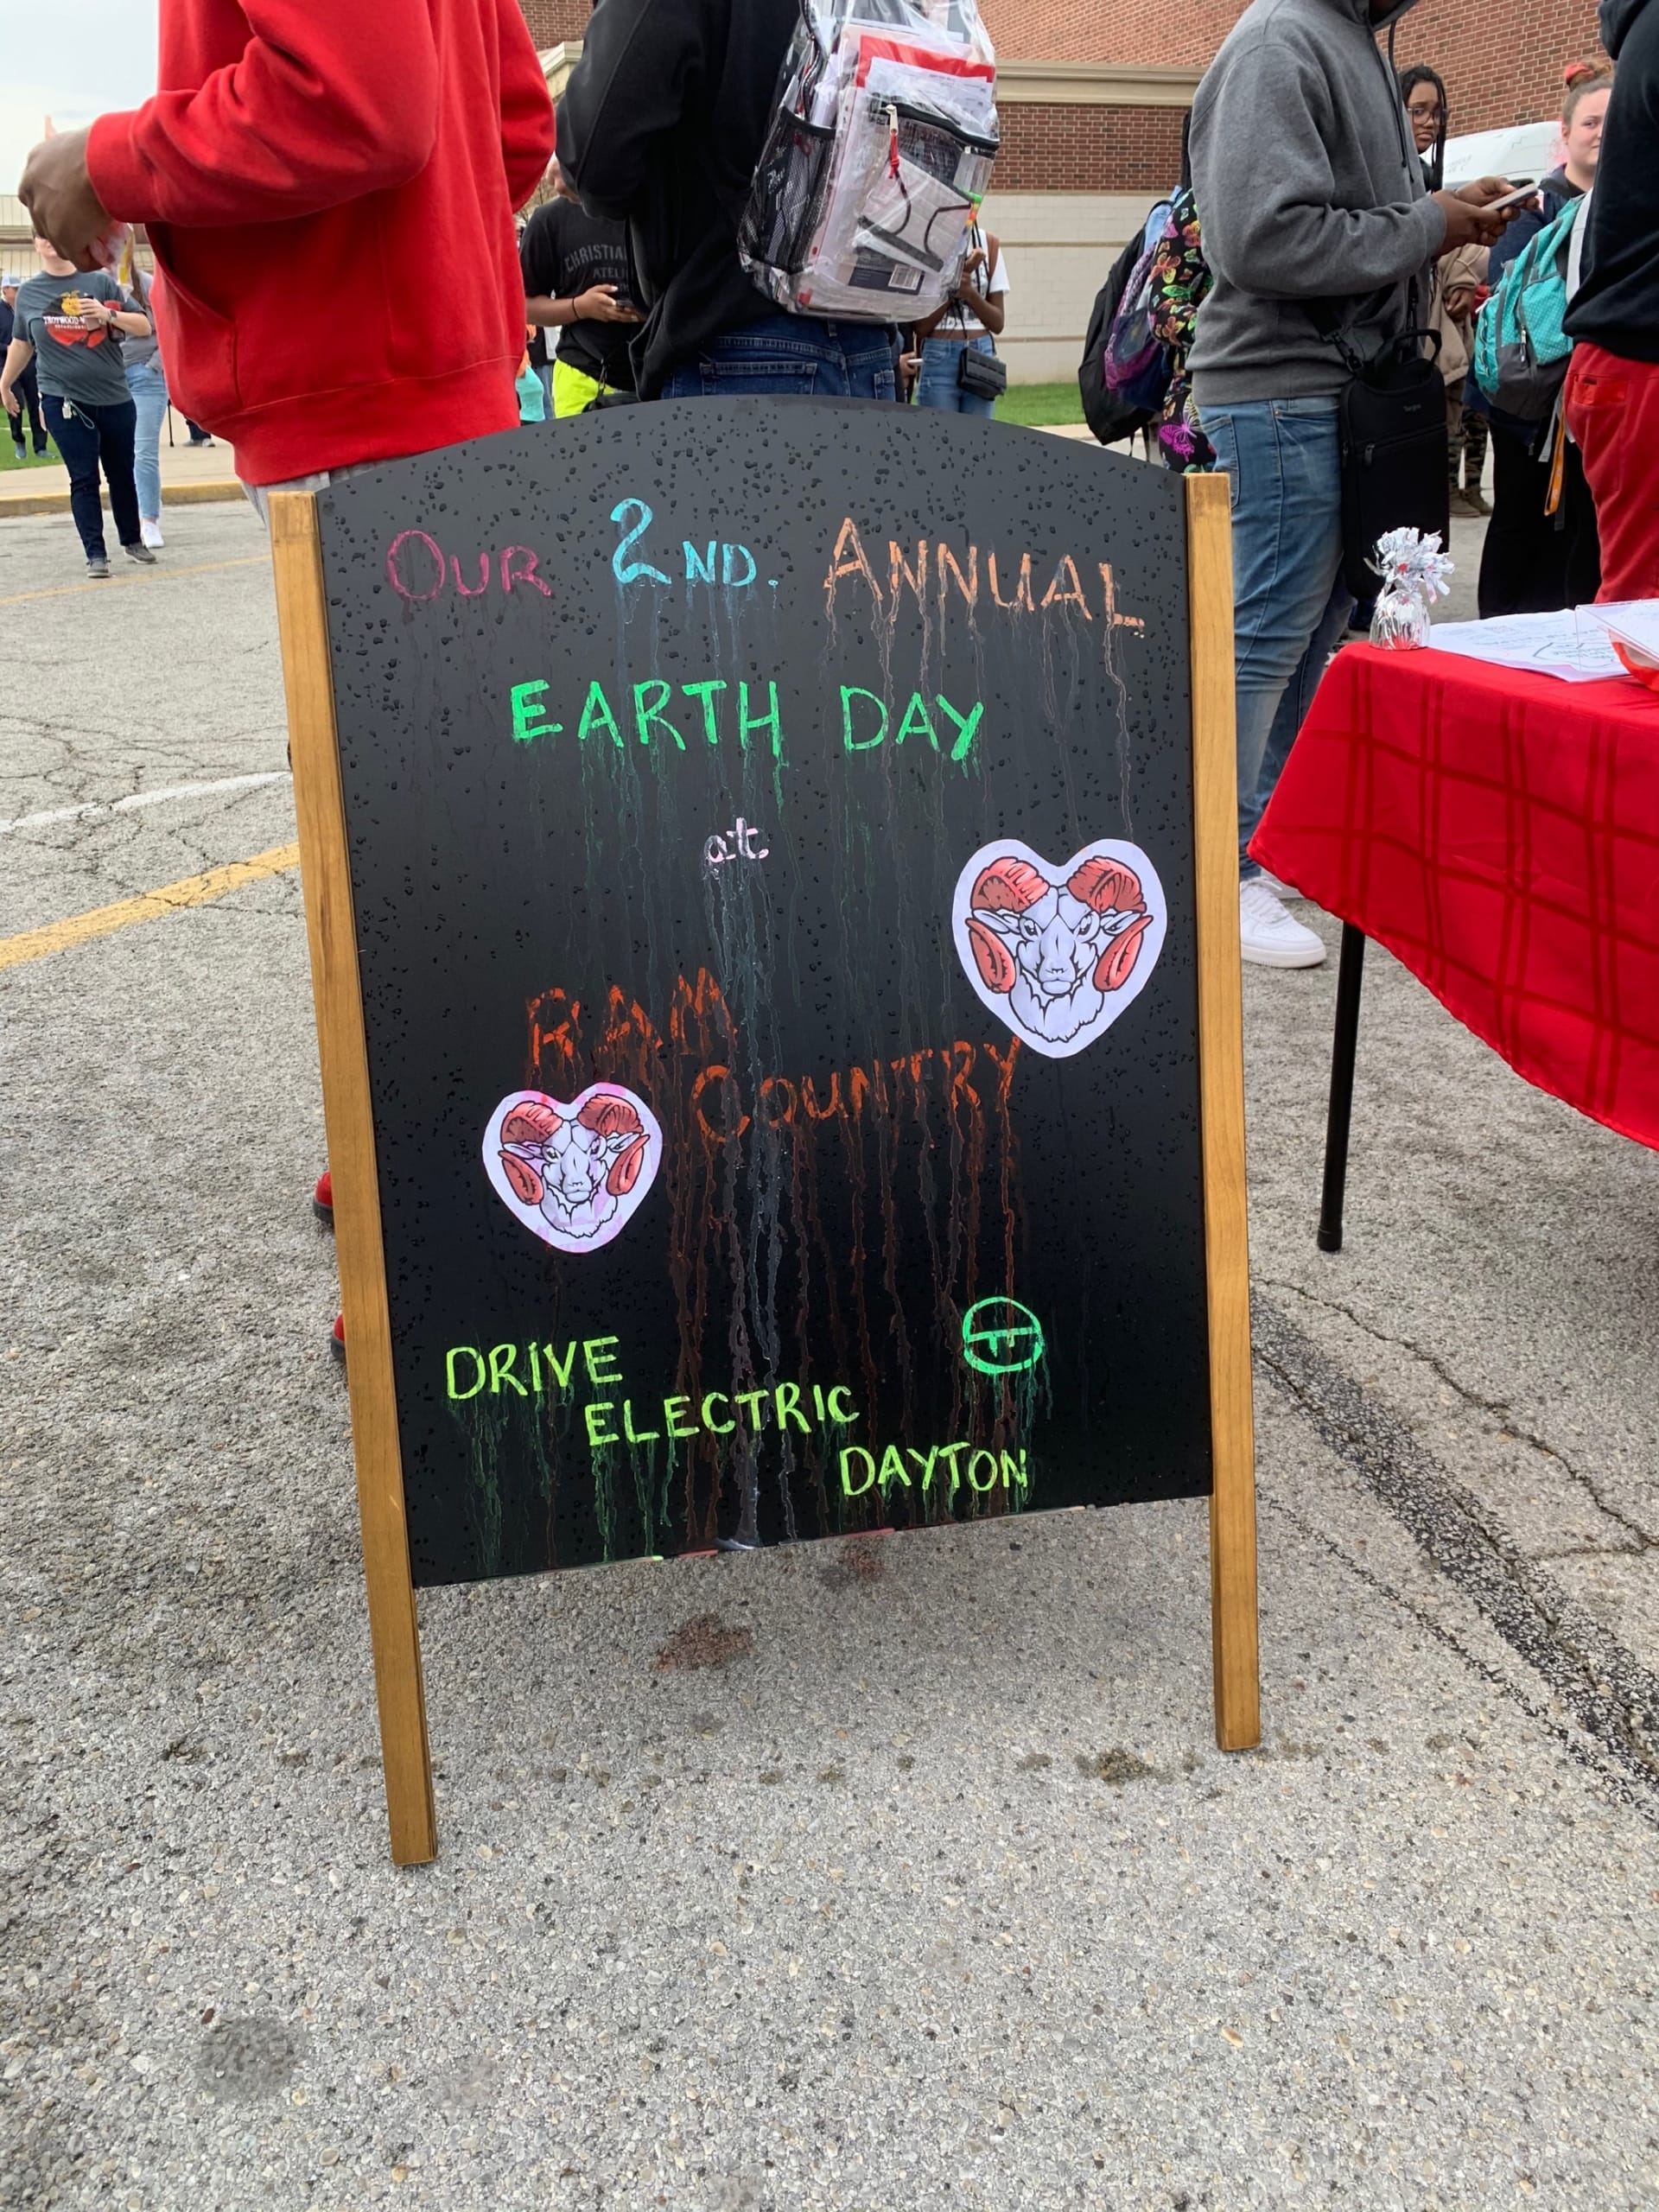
{"x":1478,"y":214}
{"x":1514,"y":199}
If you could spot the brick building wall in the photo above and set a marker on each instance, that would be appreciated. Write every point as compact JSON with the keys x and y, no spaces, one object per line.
{"x":1076,"y":171}
{"x":1502,"y":62}
{"x":552,"y":22}
{"x":1049,"y":148}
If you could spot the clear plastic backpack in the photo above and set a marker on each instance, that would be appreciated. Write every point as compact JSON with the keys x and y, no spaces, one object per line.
{"x":879,"y":154}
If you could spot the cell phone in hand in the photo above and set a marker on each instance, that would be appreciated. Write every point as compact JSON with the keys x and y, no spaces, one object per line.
{"x":1521,"y":192}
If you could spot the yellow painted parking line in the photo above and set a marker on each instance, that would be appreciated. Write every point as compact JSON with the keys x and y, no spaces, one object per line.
{"x":158,"y":575}
{"x":148,"y":906}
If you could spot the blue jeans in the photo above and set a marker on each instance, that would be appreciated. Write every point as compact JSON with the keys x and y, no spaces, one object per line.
{"x":791,"y":354}
{"x":85,"y":435}
{"x":148,"y":386}
{"x":937,"y":386}
{"x":1289,"y":606}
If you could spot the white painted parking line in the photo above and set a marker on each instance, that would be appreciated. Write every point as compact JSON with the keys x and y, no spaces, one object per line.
{"x":142,"y":798}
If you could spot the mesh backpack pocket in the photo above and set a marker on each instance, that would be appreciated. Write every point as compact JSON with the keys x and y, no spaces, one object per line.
{"x":880,"y":150}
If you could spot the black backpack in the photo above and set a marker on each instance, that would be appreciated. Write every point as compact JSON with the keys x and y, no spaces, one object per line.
{"x":1109,"y":417}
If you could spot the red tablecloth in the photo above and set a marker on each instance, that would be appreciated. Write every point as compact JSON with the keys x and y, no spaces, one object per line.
{"x":1499,"y":833}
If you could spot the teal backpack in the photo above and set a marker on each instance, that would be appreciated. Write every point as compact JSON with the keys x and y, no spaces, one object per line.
{"x":1521,"y":349}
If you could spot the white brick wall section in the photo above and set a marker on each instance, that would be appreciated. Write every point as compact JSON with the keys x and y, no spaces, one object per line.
{"x":1061,"y":246}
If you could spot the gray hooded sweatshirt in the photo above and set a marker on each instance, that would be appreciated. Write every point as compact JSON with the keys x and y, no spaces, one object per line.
{"x":1308,"y":189}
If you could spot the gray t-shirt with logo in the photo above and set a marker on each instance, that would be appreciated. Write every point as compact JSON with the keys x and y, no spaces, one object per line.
{"x":79,"y":359}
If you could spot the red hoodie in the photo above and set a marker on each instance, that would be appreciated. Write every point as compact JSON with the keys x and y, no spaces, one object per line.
{"x":329,"y":188}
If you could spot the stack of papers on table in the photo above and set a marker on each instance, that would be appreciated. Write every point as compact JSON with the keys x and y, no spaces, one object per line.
{"x":1573,"y":645}
{"x":1634,"y":625}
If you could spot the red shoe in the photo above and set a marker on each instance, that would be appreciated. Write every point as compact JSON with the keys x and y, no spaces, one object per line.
{"x":337,"y":1338}
{"x":322,"y":1199}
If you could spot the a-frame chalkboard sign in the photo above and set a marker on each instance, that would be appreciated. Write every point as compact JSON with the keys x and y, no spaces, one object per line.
{"x":770,"y":873}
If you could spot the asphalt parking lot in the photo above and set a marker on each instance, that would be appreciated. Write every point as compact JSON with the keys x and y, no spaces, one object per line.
{"x":931,"y":1889}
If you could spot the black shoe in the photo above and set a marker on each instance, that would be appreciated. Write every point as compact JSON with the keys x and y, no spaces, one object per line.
{"x":139,"y":551}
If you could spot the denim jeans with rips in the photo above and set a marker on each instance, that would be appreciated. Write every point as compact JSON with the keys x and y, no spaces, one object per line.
{"x":800,"y":354}
{"x":1289,"y":603}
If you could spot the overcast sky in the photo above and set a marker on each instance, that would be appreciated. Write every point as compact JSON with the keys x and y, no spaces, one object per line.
{"x":70,"y":59}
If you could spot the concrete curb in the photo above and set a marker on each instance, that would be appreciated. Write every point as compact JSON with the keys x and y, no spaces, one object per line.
{"x":55,"y":501}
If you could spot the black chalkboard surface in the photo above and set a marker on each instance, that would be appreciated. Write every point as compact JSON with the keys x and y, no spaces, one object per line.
{"x":771,"y":835}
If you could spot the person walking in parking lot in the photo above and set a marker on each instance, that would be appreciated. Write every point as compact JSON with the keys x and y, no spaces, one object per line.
{"x":72,"y":327}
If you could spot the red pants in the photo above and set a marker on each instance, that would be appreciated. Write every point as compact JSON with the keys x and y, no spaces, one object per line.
{"x":1613,"y":409}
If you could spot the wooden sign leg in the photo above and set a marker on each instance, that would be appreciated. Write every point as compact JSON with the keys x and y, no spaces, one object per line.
{"x":394,"y":1629}
{"x":1221,"y":1073}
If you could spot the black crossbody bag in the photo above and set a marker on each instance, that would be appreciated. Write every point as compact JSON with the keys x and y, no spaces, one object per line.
{"x":1391,"y":420}
{"x":983,"y":374}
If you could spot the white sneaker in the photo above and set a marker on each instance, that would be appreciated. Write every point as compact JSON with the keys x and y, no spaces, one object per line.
{"x":1268,"y":936}
{"x":150,"y":532}
{"x":1270,"y":882}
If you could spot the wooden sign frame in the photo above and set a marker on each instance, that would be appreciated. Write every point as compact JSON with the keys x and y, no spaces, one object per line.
{"x":348,"y":1118}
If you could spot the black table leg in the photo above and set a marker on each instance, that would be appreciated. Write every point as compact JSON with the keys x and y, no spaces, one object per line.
{"x":1343,"y":1043}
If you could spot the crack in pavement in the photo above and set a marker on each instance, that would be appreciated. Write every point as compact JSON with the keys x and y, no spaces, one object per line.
{"x":1613,"y":1778}
{"x":1499,"y":1408}
{"x":185,"y":895}
{"x":1614,"y":1697}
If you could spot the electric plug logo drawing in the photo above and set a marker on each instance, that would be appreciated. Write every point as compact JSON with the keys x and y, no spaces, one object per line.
{"x":1001,"y":1337}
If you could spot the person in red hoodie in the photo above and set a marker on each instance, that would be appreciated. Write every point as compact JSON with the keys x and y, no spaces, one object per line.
{"x":305,"y":170}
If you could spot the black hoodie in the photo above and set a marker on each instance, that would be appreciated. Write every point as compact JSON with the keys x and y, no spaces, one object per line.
{"x":662,"y":124}
{"x":1617,"y":304}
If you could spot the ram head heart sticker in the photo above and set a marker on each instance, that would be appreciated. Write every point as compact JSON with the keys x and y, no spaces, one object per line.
{"x":1058,"y":953}
{"x":574,"y":1175}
